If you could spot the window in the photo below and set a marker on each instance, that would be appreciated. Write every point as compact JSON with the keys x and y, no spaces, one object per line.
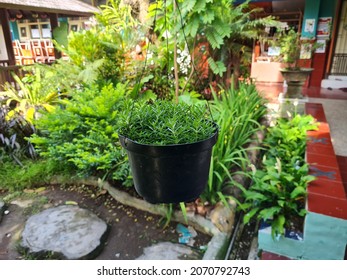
{"x":35,"y":32}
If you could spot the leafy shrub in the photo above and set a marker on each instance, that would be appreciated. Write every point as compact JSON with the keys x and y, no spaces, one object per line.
{"x":237,"y":113}
{"x":103,"y":53}
{"x":287,"y":139}
{"x":13,"y":133}
{"x":278,"y":192}
{"x":83,"y":133}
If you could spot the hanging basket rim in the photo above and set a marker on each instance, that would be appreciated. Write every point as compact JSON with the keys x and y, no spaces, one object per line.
{"x":215,"y":133}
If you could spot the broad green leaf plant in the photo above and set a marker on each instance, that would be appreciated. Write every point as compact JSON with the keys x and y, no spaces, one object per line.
{"x":35,"y":93}
{"x":278,"y":192}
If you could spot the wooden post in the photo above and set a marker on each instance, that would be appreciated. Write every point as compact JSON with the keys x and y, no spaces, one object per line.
{"x":54,"y":23}
{"x":4,"y":20}
{"x":333,"y":40}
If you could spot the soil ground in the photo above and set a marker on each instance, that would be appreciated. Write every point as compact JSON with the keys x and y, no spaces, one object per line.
{"x":130,"y":232}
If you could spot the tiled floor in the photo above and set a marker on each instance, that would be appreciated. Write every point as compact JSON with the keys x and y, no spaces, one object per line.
{"x":342,"y":161}
{"x":271,"y":256}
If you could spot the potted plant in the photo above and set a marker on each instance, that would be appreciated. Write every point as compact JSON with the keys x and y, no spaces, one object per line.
{"x":169,"y":149}
{"x":291,"y":49}
{"x":277,"y":196}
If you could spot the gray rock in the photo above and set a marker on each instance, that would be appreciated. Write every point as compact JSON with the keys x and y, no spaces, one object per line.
{"x":2,"y":209}
{"x":67,"y":232}
{"x":223,"y":217}
{"x":169,"y":251}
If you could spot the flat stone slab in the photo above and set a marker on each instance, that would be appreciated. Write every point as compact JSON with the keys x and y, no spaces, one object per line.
{"x":66,"y":231}
{"x":169,"y":251}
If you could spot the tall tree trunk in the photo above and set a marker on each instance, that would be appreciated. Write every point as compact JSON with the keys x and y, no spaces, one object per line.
{"x":236,"y":60}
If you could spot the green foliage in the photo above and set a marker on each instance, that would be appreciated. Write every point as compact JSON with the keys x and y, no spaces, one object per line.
{"x":218,"y":67}
{"x":60,"y":33}
{"x":278,"y":192}
{"x":220,"y":22}
{"x":13,"y":133}
{"x":165,"y":123}
{"x":102,"y":54}
{"x":35,"y":93}
{"x":237,"y":113}
{"x":31,"y":174}
{"x":291,"y":46}
{"x":83,"y":136}
{"x":287,"y":139}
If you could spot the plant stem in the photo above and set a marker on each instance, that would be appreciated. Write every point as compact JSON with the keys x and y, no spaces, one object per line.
{"x":193,"y":68}
{"x":175,"y":58}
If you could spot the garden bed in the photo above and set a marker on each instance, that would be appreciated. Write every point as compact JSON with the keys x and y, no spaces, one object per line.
{"x":140,"y":229}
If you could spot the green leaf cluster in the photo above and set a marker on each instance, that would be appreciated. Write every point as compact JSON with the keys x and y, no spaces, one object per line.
{"x":227,"y":27}
{"x":36,"y":93}
{"x":237,"y":113}
{"x":83,"y":133}
{"x":277,"y":194}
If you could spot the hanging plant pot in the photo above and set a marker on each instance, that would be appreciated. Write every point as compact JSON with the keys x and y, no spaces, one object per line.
{"x":168,"y":173}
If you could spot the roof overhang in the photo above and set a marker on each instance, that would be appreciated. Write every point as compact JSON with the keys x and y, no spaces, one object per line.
{"x":66,"y":7}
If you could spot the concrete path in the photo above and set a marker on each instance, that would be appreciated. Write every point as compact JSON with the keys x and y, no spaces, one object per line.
{"x":336,"y":113}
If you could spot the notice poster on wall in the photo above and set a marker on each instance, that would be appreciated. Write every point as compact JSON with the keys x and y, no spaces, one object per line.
{"x":321,"y":46}
{"x":309,"y":25}
{"x":324,"y":27}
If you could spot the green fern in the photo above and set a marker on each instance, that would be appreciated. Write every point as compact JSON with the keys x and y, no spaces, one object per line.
{"x":192,"y":28}
{"x":200,"y":6}
{"x":189,"y":5}
{"x":215,"y":39}
{"x":224,"y":30}
{"x":208,"y":16}
{"x":217,"y":67}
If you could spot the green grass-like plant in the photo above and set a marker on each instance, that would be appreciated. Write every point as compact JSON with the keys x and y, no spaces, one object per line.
{"x":237,"y":113}
{"x":31,"y":174}
{"x":167,"y":123}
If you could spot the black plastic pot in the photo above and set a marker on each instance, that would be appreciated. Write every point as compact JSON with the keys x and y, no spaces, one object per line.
{"x":172,"y":173}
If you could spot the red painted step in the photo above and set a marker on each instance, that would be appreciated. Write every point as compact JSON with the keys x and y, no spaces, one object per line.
{"x":327,"y":194}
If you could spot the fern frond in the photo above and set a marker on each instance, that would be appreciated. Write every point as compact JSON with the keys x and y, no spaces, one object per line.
{"x":200,"y":6}
{"x":193,"y":26}
{"x":208,"y":16}
{"x":217,"y":67}
{"x":215,"y":39}
{"x":223,"y":29}
{"x":188,"y":5}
